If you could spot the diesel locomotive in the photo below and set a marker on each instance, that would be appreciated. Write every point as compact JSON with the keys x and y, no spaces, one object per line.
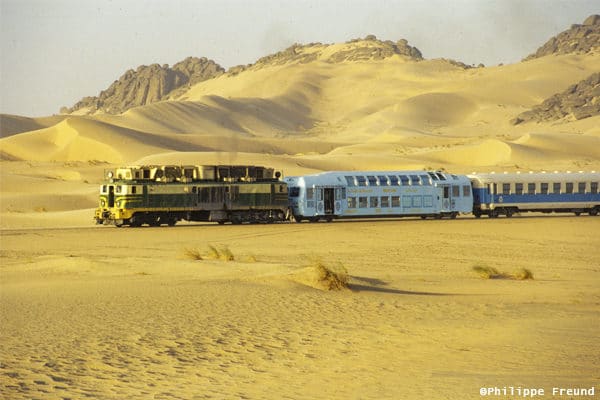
{"x":165,"y":194}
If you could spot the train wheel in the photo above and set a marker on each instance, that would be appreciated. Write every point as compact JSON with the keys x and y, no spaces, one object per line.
{"x":453,"y":215}
{"x":423,"y":216}
{"x":577,"y":213}
{"x":509,"y":213}
{"x":594,"y":212}
{"x":136,"y":221}
{"x":154,"y":221}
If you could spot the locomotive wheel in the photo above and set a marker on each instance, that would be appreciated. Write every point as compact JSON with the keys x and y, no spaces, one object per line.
{"x":154,"y":221}
{"x":135,"y":221}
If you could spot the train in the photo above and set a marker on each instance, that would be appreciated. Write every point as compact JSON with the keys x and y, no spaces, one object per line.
{"x":166,"y":194}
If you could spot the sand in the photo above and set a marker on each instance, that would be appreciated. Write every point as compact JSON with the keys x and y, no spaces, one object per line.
{"x":122,"y":313}
{"x":101,"y":312}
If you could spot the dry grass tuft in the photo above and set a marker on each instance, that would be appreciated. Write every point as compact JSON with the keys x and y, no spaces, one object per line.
{"x":192,"y":254}
{"x":331,"y":277}
{"x":492,"y":273}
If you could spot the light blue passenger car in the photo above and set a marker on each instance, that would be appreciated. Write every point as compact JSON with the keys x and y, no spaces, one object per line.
{"x":510,"y":193}
{"x":378,"y":194}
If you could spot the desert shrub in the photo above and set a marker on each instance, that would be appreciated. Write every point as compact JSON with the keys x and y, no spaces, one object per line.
{"x":331,"y":277}
{"x":492,"y":273}
{"x":192,"y":254}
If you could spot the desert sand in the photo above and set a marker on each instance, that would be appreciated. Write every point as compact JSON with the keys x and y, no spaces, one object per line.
{"x":101,"y":312}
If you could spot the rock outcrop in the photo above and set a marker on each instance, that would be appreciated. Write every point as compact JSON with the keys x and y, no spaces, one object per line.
{"x":369,"y":48}
{"x":579,"y":101}
{"x":582,"y":38}
{"x":147,"y":84}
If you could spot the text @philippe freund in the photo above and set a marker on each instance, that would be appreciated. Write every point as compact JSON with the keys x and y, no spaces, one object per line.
{"x":539,"y":392}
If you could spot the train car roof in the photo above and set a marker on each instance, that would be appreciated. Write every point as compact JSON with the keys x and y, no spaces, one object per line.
{"x":515,"y":177}
{"x":338,"y":177}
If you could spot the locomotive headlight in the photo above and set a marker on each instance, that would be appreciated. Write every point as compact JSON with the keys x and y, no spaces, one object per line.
{"x":119,"y":203}
{"x":102,"y":203}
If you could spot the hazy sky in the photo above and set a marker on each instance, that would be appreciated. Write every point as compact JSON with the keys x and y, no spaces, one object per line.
{"x":54,"y":52}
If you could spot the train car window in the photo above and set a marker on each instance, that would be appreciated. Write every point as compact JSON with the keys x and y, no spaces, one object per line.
{"x":441,"y":176}
{"x":350,"y":181}
{"x":385,"y":202}
{"x":362,"y":202}
{"x":455,"y":191}
{"x":362,"y":181}
{"x":433,"y":176}
{"x":373,"y":202}
{"x":556,"y":187}
{"x":506,"y":188}
{"x":518,"y":188}
{"x":417,"y":201}
{"x":581,"y":187}
{"x":294,"y":191}
{"x":395,"y":201}
{"x":425,"y":181}
{"x":427,"y":201}
{"x":310,"y":193}
{"x":406,"y":201}
{"x":404,"y":180}
{"x":383,"y":180}
{"x":466,"y":191}
{"x":569,"y":187}
{"x":393,"y":180}
{"x":351,"y":202}
{"x":372,"y":180}
{"x":342,"y":193}
{"x":531,"y":188}
{"x":543,"y":188}
{"x":594,"y":187}
{"x":415,"y":180}
{"x":446,"y":192}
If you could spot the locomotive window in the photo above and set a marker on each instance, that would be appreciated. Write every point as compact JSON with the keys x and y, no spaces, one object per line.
{"x":146,"y":174}
{"x":425,"y":180}
{"x":351,"y":202}
{"x":194,"y":189}
{"x":118,"y":189}
{"x":569,"y":187}
{"x":455,"y":191}
{"x":350,"y":180}
{"x":581,"y":187}
{"x":531,"y":188}
{"x":543,"y":188}
{"x":466,"y":191}
{"x":594,"y":187}
{"x":310,"y":193}
{"x":204,"y":194}
{"x":395,"y":201}
{"x":372,"y":180}
{"x":518,"y":188}
{"x":385,"y":202}
{"x":362,"y":202}
{"x":133,"y":189}
{"x":556,"y":187}
{"x":103,"y":188}
{"x":374,"y":202}
{"x":393,"y":180}
{"x":404,"y":180}
{"x":383,"y":181}
{"x":294,"y":191}
{"x":415,"y":180}
{"x":506,"y":188}
{"x":362,"y":181}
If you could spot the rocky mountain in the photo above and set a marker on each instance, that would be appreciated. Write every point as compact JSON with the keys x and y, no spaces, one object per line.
{"x":579,"y":101}
{"x":147,"y":84}
{"x":582,"y":38}
{"x":369,"y":48}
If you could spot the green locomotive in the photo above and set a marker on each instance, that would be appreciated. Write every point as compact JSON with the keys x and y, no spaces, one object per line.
{"x":165,"y":194}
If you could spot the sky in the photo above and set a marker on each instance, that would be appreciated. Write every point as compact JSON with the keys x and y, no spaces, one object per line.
{"x":55,"y":52}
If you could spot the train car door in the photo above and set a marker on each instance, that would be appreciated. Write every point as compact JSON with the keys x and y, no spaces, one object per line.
{"x":329,"y":200}
{"x":446,"y":198}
